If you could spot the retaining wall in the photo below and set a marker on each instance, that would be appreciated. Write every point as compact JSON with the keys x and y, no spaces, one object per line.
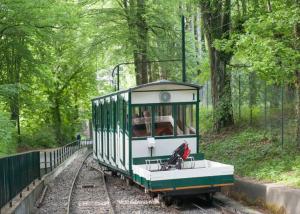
{"x":273,"y":196}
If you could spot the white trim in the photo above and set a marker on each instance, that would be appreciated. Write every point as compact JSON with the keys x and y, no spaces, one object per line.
{"x":203,"y":168}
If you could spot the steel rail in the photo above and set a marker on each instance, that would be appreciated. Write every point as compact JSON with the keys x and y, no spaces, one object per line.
{"x":220,"y":205}
{"x":112,"y":208}
{"x":197,"y":206}
{"x":74,"y":181}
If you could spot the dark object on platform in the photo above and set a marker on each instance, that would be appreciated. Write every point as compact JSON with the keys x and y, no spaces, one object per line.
{"x":78,"y":137}
{"x":180,"y":154}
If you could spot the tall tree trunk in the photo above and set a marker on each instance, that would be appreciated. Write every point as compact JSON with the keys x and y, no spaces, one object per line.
{"x":56,"y":115}
{"x":135,"y":11}
{"x":13,"y":64}
{"x":216,"y":20}
{"x":199,"y":39}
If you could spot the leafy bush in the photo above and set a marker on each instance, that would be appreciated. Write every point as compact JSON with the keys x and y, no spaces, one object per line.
{"x":7,"y":135}
{"x":205,"y":119}
{"x":254,"y":155}
{"x":44,"y":137}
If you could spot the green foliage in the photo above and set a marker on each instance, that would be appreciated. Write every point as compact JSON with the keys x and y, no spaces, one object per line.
{"x":205,"y":119}
{"x":47,"y":68}
{"x":44,"y":137}
{"x":7,"y":135}
{"x":254,"y":155}
{"x":267,"y":43}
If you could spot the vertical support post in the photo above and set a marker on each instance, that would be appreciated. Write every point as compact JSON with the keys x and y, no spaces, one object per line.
{"x":60,"y":155}
{"x":239,"y":90}
{"x":118,"y":77}
{"x":282,"y":115}
{"x":51,"y":161}
{"x":251,"y":97}
{"x":207,"y":94}
{"x":57,"y":158}
{"x":45,"y":161}
{"x":54,"y":158}
{"x":265,"y":107}
{"x":183,"y":48}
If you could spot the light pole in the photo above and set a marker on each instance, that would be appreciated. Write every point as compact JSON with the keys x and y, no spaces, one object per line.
{"x":183,"y":48}
{"x":117,"y":68}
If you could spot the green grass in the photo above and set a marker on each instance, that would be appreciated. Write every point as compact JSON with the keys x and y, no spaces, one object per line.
{"x":254,"y":155}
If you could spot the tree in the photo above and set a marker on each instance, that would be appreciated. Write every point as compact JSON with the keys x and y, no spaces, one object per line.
{"x":217,"y":20}
{"x":267,"y":41}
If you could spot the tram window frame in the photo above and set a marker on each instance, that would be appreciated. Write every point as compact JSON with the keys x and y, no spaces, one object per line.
{"x":126,"y":119}
{"x":175,"y":108}
{"x":121,"y":113}
{"x":100,"y":116}
{"x":187,"y":117}
{"x":114,"y":115}
{"x":163,"y":109}
{"x":137,"y":121}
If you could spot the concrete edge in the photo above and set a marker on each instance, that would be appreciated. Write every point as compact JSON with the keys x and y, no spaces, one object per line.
{"x":276,"y":198}
{"x":26,"y":204}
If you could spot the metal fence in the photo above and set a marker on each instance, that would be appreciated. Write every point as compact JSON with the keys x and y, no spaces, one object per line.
{"x":17,"y":172}
{"x":256,"y":103}
{"x":50,"y":159}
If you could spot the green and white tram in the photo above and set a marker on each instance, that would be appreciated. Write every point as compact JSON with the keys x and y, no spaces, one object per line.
{"x":137,"y":130}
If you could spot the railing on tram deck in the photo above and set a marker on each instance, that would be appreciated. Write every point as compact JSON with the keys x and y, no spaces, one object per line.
{"x":18,"y":171}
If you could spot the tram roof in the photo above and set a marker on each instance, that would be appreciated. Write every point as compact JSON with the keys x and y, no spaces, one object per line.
{"x":154,"y":86}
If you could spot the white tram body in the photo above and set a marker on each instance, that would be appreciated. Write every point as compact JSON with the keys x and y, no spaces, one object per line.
{"x":137,"y":130}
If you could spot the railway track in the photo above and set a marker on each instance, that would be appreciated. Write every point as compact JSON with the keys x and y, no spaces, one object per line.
{"x":199,"y":205}
{"x":84,"y":188}
{"x":86,"y":193}
{"x":215,"y":208}
{"x":112,"y":208}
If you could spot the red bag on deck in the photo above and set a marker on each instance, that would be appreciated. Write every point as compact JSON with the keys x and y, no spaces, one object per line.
{"x":186,"y":152}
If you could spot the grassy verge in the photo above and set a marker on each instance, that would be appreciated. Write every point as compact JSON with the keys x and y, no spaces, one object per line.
{"x":254,"y":155}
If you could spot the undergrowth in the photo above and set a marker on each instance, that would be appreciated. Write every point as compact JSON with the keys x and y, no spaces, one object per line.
{"x":255,"y":155}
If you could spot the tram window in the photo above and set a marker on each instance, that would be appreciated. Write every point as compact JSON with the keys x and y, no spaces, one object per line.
{"x":141,"y":121}
{"x":186,"y":119}
{"x":164,"y":121}
{"x":126,"y":116}
{"x":114,"y":115}
{"x":121,"y":116}
{"x":100,"y":117}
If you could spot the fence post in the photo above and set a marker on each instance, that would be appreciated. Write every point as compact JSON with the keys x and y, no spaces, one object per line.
{"x":60,"y":153}
{"x":250,"y":96}
{"x":50,"y":160}
{"x":63,"y":153}
{"x":265,"y":106}
{"x":39,"y":164}
{"x":45,"y":161}
{"x":54,"y":158}
{"x":282,"y":90}
{"x":239,"y":91}
{"x":57,"y":158}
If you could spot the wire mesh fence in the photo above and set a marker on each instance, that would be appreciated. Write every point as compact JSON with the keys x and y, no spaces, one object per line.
{"x":256,"y":103}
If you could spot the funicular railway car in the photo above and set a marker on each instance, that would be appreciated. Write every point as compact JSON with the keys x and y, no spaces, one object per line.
{"x":136,"y":132}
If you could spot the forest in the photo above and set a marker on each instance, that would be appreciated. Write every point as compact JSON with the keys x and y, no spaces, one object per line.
{"x":57,"y":55}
